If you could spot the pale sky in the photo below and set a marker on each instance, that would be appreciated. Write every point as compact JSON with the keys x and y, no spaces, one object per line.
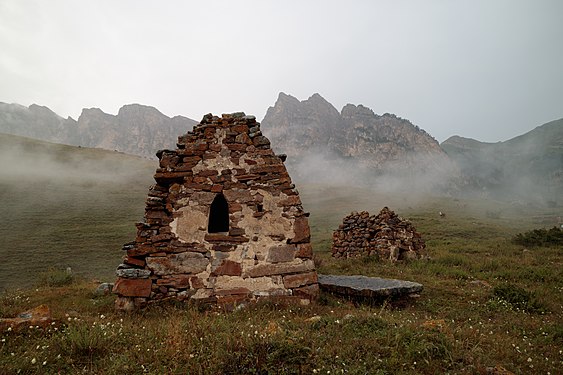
{"x":484,"y":69}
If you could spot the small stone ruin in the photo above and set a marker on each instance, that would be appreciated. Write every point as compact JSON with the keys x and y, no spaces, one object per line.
{"x":223,"y":223}
{"x":386,"y":236}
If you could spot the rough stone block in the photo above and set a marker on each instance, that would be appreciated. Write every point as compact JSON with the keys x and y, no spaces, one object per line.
{"x":304,"y":250}
{"x":302,"y":230}
{"x":133,"y":287}
{"x":268,"y":269}
{"x":229,"y":268}
{"x":175,"y":281}
{"x":278,"y":254}
{"x":298,"y":280}
{"x":309,"y":291}
{"x":179,"y":263}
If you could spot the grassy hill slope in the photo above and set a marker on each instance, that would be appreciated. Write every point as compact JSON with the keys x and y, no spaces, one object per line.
{"x":65,"y":206}
{"x":528,"y":167}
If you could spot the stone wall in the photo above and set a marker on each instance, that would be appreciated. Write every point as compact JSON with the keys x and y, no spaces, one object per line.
{"x":265,"y":249}
{"x":386,"y":235}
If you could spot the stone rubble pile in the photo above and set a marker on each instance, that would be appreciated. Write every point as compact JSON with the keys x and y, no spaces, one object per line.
{"x":386,"y":236}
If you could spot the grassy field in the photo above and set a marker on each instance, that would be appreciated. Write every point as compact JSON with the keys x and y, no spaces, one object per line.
{"x":64,"y":206}
{"x":487,"y":302}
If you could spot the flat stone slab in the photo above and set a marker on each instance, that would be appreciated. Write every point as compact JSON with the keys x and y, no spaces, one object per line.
{"x":367,"y":287}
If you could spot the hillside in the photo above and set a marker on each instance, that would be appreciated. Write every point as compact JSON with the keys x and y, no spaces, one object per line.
{"x":527,"y":166}
{"x":136,"y":129}
{"x":66,"y":206}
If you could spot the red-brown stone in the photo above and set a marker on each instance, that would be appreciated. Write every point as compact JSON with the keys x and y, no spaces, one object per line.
{"x":196,"y":282}
{"x":228,"y":268}
{"x":207,"y":173}
{"x":295,"y":281}
{"x":175,"y":281}
{"x":134,"y":261}
{"x":302,"y":230}
{"x":290,"y":201}
{"x":235,"y":207}
{"x":261,"y":169}
{"x":236,"y":146}
{"x":309,"y":291}
{"x":304,"y":250}
{"x":133,"y":287}
{"x":240,"y":128}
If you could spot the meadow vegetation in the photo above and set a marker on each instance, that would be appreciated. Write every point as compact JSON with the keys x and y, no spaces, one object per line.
{"x":488,"y":301}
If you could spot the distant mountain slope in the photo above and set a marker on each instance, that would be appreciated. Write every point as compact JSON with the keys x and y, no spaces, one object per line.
{"x":136,"y":129}
{"x":356,"y":140}
{"x":529,"y":164}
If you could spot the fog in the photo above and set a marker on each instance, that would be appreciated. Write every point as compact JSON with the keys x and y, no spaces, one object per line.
{"x":40,"y":162}
{"x":493,"y":175}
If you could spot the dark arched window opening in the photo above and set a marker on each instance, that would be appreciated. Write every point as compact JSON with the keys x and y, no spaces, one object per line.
{"x":218,"y":215}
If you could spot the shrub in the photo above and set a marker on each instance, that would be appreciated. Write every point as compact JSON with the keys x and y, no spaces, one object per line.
{"x":517,"y":298}
{"x":540,"y":237}
{"x":55,"y":277}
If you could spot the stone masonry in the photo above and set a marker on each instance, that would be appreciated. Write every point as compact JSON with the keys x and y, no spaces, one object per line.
{"x":223,"y":223}
{"x":386,"y":236}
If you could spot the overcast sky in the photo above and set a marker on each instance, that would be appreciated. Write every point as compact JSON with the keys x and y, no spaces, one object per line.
{"x":488,"y":70}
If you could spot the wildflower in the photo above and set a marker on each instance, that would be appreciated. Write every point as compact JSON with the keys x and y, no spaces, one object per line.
{"x":44,"y":363}
{"x":33,"y":361}
{"x":529,"y":359}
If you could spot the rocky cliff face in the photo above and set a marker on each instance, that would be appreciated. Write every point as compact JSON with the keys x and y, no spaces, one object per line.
{"x":136,"y":129}
{"x":355,"y":138}
{"x":35,"y":122}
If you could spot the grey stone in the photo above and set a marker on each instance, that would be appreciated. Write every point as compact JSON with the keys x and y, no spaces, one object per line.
{"x":103,"y":289}
{"x":279,"y":254}
{"x":180,"y":263}
{"x":370,"y":287}
{"x":133,"y":273}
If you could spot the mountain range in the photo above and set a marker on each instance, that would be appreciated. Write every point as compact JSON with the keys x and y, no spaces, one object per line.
{"x":353,"y":145}
{"x":136,"y":129}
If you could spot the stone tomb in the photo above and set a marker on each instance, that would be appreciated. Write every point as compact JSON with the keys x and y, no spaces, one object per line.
{"x":385,"y":235}
{"x":223,"y":223}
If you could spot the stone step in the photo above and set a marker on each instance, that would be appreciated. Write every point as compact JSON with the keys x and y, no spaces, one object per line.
{"x":367,"y":287}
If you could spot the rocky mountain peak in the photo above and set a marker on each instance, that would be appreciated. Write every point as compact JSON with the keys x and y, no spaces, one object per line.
{"x":350,"y":110}
{"x":356,"y":132}
{"x":139,"y":110}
